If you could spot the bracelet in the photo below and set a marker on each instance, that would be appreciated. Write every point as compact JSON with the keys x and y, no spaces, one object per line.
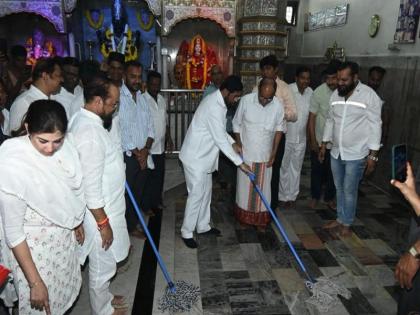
{"x":373,"y":158}
{"x":103,"y":221}
{"x":33,"y":284}
{"x":103,"y":224}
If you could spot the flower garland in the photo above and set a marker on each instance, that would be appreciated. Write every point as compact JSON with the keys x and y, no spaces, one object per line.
{"x":204,"y":73}
{"x":131,"y":52}
{"x":95,"y":25}
{"x":145,"y":27}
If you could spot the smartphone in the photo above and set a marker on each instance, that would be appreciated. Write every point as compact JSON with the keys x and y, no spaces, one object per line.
{"x":399,"y":162}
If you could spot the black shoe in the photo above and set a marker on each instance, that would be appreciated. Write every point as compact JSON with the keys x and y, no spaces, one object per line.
{"x":190,"y":242}
{"x":212,"y":231}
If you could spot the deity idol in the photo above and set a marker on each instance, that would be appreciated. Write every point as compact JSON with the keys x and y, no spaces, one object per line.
{"x":38,"y":47}
{"x":119,"y":37}
{"x":198,"y":62}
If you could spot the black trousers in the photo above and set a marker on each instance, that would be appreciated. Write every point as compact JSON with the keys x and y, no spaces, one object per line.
{"x":276,"y":173}
{"x":137,"y":180}
{"x":321,"y":174}
{"x":154,"y":187}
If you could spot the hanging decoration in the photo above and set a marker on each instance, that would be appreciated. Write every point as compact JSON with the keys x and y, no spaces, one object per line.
{"x":92,"y":15}
{"x":145,"y":26}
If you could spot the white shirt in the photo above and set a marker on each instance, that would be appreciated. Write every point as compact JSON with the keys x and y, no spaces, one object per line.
{"x":136,"y":123}
{"x":296,"y":131}
{"x":21,"y":104}
{"x":71,"y":102}
{"x":103,"y":178}
{"x":160,"y":121}
{"x":5,"y":128}
{"x":354,"y":126}
{"x":257,"y":125}
{"x":207,"y":135}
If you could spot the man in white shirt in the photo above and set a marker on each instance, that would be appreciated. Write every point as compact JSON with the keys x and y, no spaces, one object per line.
{"x":318,"y":110}
{"x":4,"y":113}
{"x":71,"y":93}
{"x":162,"y":139}
{"x":199,"y":155}
{"x":137,"y":137}
{"x":353,"y":127}
{"x":296,"y":139}
{"x":106,"y":237}
{"x":270,"y":67}
{"x":47,"y":79}
{"x":258,"y":126}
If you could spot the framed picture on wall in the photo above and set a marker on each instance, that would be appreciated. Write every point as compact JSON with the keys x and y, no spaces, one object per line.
{"x":329,"y":17}
{"x":407,"y":23}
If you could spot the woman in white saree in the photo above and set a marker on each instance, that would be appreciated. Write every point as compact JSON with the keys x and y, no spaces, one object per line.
{"x":41,"y":210}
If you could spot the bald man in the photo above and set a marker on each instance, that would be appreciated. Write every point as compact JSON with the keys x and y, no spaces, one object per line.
{"x":258,"y":127}
{"x":216,"y":77}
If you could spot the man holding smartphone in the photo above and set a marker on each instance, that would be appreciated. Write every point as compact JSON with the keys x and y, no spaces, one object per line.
{"x":353,"y":127}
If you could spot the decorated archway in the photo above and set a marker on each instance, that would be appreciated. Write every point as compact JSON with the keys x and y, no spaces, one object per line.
{"x":221,"y":12}
{"x":52,"y":10}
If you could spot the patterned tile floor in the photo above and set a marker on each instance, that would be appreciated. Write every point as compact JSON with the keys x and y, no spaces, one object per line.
{"x":247,"y":272}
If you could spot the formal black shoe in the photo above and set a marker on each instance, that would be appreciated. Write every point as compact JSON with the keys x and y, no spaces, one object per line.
{"x":212,"y":231}
{"x":190,"y":242}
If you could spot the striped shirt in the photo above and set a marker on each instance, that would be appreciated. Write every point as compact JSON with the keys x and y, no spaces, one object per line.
{"x":354,"y":125}
{"x":136,"y":122}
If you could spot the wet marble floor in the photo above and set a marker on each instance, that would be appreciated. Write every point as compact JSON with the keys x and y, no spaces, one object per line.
{"x":248,"y":272}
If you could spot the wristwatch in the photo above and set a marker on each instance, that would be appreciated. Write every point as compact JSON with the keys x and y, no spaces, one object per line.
{"x":373,"y":158}
{"x":413,"y":251}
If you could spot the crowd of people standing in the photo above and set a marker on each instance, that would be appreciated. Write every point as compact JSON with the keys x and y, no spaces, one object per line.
{"x":79,"y":131}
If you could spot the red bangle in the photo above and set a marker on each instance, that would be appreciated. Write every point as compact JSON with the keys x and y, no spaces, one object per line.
{"x":103,"y":223}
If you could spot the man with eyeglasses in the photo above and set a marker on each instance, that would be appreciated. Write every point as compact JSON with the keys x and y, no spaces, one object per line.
{"x":206,"y":137}
{"x":71,"y":93}
{"x":296,"y":139}
{"x":258,"y":127}
{"x":106,"y":236}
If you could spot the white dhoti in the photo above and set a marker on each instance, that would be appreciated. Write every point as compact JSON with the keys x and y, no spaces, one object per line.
{"x":197,"y":209}
{"x":249,"y":208}
{"x":290,"y":170}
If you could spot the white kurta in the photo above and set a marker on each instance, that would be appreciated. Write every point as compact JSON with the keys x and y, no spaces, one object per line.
{"x":72,"y":103}
{"x":158,"y":111}
{"x":43,"y":217}
{"x":5,"y":126}
{"x":294,"y":151}
{"x":104,"y":178}
{"x":257,"y":126}
{"x":205,"y":137}
{"x":21,"y":104}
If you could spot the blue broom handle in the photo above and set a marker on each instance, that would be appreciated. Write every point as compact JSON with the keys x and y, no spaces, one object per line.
{"x":149,"y":237}
{"x":280,"y":227}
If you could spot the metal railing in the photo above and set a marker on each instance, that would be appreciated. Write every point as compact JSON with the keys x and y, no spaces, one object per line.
{"x":182,"y":105}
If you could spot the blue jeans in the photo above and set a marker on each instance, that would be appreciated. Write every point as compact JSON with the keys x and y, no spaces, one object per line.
{"x":347,"y":176}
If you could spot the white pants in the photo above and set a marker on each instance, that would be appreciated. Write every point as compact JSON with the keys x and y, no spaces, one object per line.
{"x":291,"y":167}
{"x":102,"y":267}
{"x":197,"y":209}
